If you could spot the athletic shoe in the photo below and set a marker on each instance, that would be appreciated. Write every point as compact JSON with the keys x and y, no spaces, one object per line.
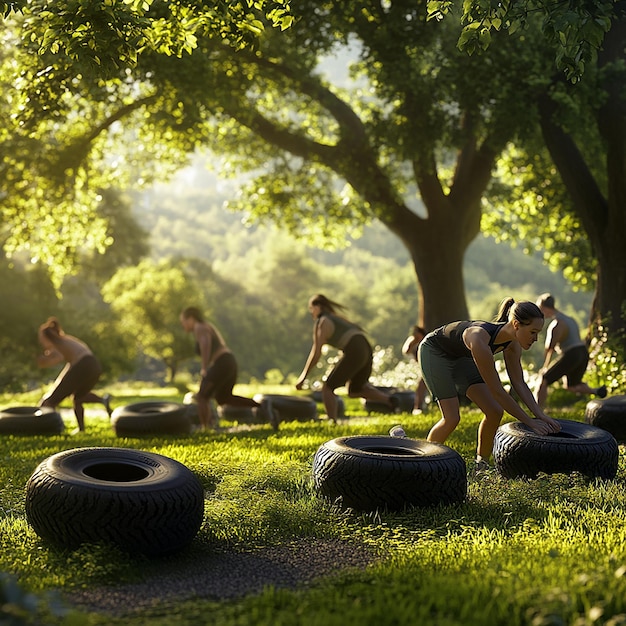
{"x":481,"y":466}
{"x":106,"y":400}
{"x":601,"y":391}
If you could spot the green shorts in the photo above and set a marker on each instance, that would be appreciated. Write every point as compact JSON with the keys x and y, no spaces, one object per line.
{"x":446,"y":376}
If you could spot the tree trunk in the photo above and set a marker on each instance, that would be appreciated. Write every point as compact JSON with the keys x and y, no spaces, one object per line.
{"x":603,"y":216}
{"x":437,"y":245}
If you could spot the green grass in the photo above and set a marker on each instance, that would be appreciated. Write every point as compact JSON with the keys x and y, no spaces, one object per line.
{"x":544,"y":552}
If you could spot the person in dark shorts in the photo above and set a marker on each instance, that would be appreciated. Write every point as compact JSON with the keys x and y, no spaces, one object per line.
{"x":563,"y":338}
{"x":80,"y":374}
{"x":457,"y":360}
{"x":219,"y":371}
{"x":409,"y":348}
{"x":355,"y":365}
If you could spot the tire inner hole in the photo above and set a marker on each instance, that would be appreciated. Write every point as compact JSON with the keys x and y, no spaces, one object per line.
{"x":388,"y":450}
{"x":116,"y":472}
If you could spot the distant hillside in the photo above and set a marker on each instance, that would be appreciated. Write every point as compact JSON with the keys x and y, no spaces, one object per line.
{"x":187,"y":218}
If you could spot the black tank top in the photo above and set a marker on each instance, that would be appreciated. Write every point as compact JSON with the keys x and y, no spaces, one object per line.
{"x":449,"y":338}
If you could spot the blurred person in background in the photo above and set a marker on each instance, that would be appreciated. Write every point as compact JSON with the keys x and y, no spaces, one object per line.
{"x":80,"y":374}
{"x":563,"y":339}
{"x":355,"y":365}
{"x":218,"y":373}
{"x":410,"y":349}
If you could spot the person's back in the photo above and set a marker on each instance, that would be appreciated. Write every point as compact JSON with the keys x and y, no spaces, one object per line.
{"x":563,"y":337}
{"x":70,"y":348}
{"x":343,"y":330}
{"x":571,"y":338}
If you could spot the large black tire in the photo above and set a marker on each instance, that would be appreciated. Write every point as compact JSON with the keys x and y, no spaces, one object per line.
{"x":142,"y":502}
{"x":378,"y":472}
{"x":290,"y":408}
{"x":608,"y":414}
{"x":243,"y":414}
{"x":519,"y":452}
{"x":406,"y":401}
{"x":150,"y":418}
{"x":31,"y":420}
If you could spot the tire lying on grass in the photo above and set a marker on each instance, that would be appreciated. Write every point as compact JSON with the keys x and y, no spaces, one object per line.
{"x":243,"y":414}
{"x":290,"y":408}
{"x":519,"y":452}
{"x":377,"y":472}
{"x":406,"y":401}
{"x":31,"y":420}
{"x":608,"y":414}
{"x":149,"y":418}
{"x":231,"y":412}
{"x":140,"y":501}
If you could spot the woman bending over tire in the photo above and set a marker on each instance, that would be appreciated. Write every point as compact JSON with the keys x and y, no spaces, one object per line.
{"x":80,"y":374}
{"x":219,"y":370}
{"x":457,"y":359}
{"x":355,"y":365}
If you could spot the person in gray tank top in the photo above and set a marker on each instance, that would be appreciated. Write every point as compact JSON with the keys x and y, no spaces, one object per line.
{"x":355,"y":365}
{"x":563,"y":339}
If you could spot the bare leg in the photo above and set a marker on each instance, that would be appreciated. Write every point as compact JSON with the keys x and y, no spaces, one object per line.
{"x":481,"y":396}
{"x":542,"y":393}
{"x":91,"y":397}
{"x":450,"y":418}
{"x":205,"y":414}
{"x":45,"y":401}
{"x":79,"y":412}
{"x":583,"y":388}
{"x":330,"y":403}
{"x":420,"y":396}
{"x":369,"y":392}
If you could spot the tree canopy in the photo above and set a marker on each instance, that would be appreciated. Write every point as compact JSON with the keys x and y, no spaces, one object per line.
{"x":106,"y":36}
{"x":66,"y":74}
{"x":413,"y":142}
{"x":575,"y":29}
{"x":583,"y":129}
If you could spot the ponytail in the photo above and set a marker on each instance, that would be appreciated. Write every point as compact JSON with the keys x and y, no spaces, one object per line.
{"x":524,"y":312}
{"x":327,"y":305}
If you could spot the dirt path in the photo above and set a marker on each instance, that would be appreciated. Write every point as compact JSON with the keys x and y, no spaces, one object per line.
{"x":228,"y":576}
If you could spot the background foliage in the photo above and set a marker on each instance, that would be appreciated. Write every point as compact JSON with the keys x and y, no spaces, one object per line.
{"x":252,"y":281}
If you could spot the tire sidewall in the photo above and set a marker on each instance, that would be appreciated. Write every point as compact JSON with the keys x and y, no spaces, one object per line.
{"x":520,"y":452}
{"x":290,"y":407}
{"x":367,"y":473}
{"x":155,"y":506}
{"x":31,"y":420}
{"x":583,"y":434}
{"x":151,"y":417}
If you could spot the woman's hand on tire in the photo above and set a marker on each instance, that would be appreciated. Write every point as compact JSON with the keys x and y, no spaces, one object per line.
{"x":555,"y":427}
{"x":540,"y":427}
